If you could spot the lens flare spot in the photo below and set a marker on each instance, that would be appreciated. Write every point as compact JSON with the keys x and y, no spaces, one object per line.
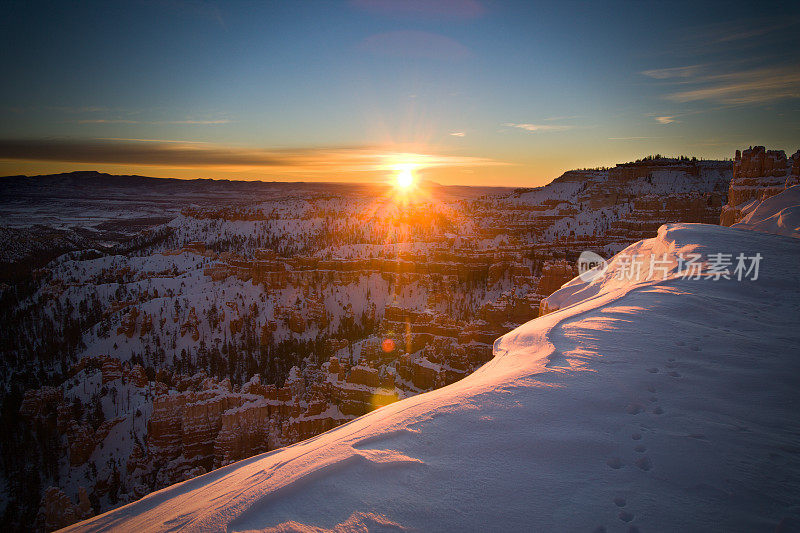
{"x":387,"y":345}
{"x":382,"y":398}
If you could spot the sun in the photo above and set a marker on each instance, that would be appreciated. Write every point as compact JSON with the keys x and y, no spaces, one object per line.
{"x":404,"y":179}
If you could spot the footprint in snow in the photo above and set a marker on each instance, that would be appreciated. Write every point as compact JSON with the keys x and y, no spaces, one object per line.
{"x":625,"y":516}
{"x":674,"y":374}
{"x":641,"y":448}
{"x":615,"y":463}
{"x":634,"y":408}
{"x":653,"y":370}
{"x":658,"y":410}
{"x":636,"y":436}
{"x":644,"y":463}
{"x":619,"y":502}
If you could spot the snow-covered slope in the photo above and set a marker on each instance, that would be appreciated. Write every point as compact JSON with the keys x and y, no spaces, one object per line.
{"x":778,"y":214}
{"x":657,"y":404}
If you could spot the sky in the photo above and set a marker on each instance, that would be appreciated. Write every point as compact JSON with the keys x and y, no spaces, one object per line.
{"x":472,"y":92}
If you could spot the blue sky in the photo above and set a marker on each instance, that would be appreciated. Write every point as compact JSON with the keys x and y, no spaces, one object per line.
{"x":469,"y":91}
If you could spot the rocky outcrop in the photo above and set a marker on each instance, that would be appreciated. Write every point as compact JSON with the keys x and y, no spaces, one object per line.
{"x":191,"y":325}
{"x":83,"y":440}
{"x":111,"y":369}
{"x":201,"y":424}
{"x":554,"y":275}
{"x":58,"y":511}
{"x":37,"y":402}
{"x":758,"y":174}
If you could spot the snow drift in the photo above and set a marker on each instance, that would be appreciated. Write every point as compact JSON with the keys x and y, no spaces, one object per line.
{"x":778,"y":214}
{"x":657,"y":404}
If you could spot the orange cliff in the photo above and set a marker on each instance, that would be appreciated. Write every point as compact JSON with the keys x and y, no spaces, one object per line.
{"x":758,"y":174}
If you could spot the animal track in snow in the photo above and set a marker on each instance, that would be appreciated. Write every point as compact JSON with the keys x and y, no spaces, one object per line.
{"x":615,"y":463}
{"x":619,"y":502}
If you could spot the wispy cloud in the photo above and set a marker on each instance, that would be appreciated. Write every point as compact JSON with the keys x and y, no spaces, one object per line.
{"x":673,"y":72}
{"x":457,"y":133}
{"x":632,"y":138}
{"x":539,"y":127}
{"x":748,"y":87}
{"x":176,"y":154}
{"x":160,"y":122}
{"x":129,"y":139}
{"x":665,"y":119}
{"x":740,"y":34}
{"x":572,"y":117}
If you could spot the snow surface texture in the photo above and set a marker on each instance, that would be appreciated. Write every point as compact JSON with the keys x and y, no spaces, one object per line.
{"x":777,"y":214}
{"x":652,"y":404}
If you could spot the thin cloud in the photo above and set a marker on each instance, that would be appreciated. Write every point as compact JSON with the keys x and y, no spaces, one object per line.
{"x":673,"y":72}
{"x":194,"y":155}
{"x":665,"y":119}
{"x":572,"y":117}
{"x":743,"y":34}
{"x":749,"y":87}
{"x":539,"y":127}
{"x":129,"y":139}
{"x":457,"y":133}
{"x":158,"y":122}
{"x":71,"y":110}
{"x":632,"y":138}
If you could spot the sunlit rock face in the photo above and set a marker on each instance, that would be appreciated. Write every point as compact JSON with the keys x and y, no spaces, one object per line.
{"x":758,"y":174}
{"x":554,"y":275}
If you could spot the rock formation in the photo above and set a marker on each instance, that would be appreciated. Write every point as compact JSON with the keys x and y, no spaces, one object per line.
{"x":758,"y":174}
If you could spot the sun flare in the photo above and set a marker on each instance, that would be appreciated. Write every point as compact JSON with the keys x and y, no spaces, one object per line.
{"x":405,"y":177}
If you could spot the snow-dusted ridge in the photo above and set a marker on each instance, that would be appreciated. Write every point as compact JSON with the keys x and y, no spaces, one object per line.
{"x":662,"y":404}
